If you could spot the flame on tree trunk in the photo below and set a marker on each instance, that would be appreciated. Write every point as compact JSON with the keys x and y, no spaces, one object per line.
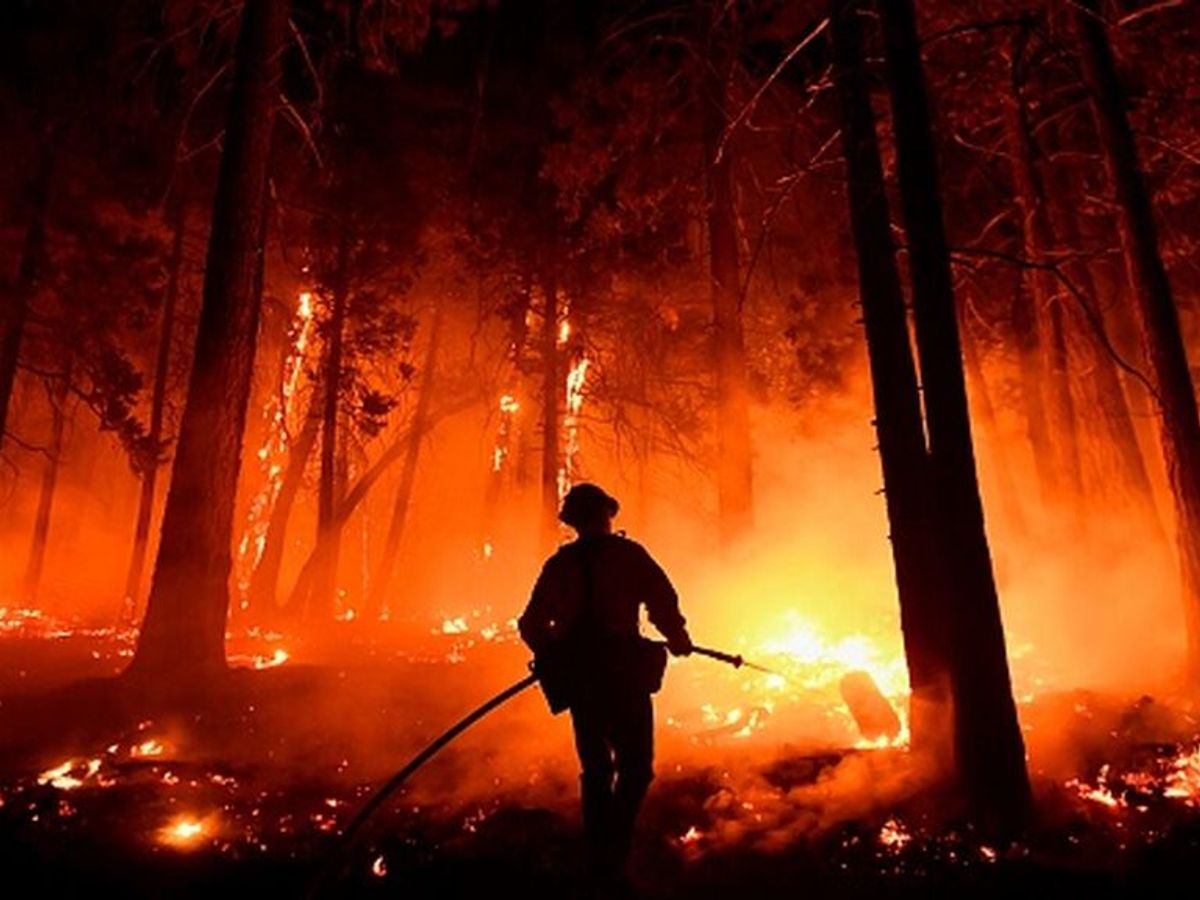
{"x":141,"y":532}
{"x":1042,"y":287}
{"x":16,"y":306}
{"x":988,"y":743}
{"x":184,"y":628}
{"x":735,"y":501}
{"x":408,"y":470}
{"x":41,"y":523}
{"x":1158,"y":317}
{"x":898,"y":422}
{"x":264,"y":582}
{"x":550,"y":410}
{"x":329,"y":529}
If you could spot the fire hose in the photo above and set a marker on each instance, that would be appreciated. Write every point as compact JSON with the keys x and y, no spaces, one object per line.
{"x":394,"y":783}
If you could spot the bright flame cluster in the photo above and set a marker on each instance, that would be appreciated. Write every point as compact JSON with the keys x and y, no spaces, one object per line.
{"x":272,"y":454}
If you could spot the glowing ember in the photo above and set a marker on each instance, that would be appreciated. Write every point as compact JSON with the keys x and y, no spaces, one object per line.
{"x":691,"y":836}
{"x":71,"y":774}
{"x":894,"y":836}
{"x":151,"y":747}
{"x":379,"y":867}
{"x":183,"y":832}
{"x":278,"y":658}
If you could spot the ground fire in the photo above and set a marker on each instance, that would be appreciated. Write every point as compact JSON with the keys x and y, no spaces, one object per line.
{"x":599,"y":449}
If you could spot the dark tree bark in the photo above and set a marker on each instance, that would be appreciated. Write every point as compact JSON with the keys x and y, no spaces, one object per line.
{"x":141,"y":532}
{"x":990,"y":748}
{"x":183,"y":633}
{"x":898,"y":424}
{"x":735,"y":497}
{"x":551,"y":388}
{"x":264,"y":581}
{"x":1038,"y":242}
{"x":35,"y":563}
{"x":408,"y":470}
{"x":1157,"y":313}
{"x":16,"y":306}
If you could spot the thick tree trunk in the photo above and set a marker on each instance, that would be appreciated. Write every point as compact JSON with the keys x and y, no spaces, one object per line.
{"x":552,"y":387}
{"x":264,"y":581}
{"x":321,"y":602}
{"x":183,"y":633}
{"x":382,"y":583}
{"x":898,"y":423}
{"x":1038,"y":242}
{"x":141,"y":532}
{"x":1157,"y":314}
{"x":988,"y":741}
{"x":735,"y":498}
{"x":1116,"y":421}
{"x":1030,"y":379}
{"x":36,"y":560}
{"x":16,"y":306}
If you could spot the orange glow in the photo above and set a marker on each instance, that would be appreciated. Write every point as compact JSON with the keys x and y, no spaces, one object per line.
{"x":185,"y":832}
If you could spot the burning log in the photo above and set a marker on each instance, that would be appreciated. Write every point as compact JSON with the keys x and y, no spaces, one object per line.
{"x":872,"y":712}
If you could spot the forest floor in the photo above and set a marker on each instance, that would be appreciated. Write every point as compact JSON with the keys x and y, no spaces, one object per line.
{"x":240,"y":786}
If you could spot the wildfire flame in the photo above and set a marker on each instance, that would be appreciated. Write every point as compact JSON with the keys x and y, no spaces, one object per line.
{"x":184,"y":832}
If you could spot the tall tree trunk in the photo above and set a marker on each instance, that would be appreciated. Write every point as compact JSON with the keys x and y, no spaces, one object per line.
{"x":264,"y":581}
{"x":141,"y":532}
{"x":1006,"y":488}
{"x":183,"y":633}
{"x":352,"y":499}
{"x":408,"y":471}
{"x":902,"y":449}
{"x":1030,"y":379}
{"x":41,"y":523}
{"x":16,"y":306}
{"x":988,"y":741}
{"x":735,"y":498}
{"x":1157,"y":314}
{"x":551,"y":389}
{"x":321,"y":602}
{"x":1038,"y":242}
{"x":1117,"y":423}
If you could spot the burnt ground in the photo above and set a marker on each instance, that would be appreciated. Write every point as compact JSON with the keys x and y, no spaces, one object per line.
{"x":268,"y":765}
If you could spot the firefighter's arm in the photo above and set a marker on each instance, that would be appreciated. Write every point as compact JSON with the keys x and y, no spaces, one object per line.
{"x":536,"y":624}
{"x":662,"y":605}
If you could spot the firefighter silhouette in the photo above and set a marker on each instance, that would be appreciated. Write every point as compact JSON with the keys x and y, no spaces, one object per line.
{"x":582,"y":626}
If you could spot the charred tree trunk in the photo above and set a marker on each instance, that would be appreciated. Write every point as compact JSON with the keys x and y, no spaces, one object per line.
{"x":16,"y":307}
{"x":551,"y":458}
{"x":183,"y":633}
{"x":898,"y":424}
{"x":41,"y":523}
{"x":990,"y":748}
{"x":265,"y":579}
{"x":1157,"y":314}
{"x":1038,"y":242}
{"x":408,"y":471}
{"x":735,"y":499}
{"x":328,"y":530}
{"x":141,"y":533}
